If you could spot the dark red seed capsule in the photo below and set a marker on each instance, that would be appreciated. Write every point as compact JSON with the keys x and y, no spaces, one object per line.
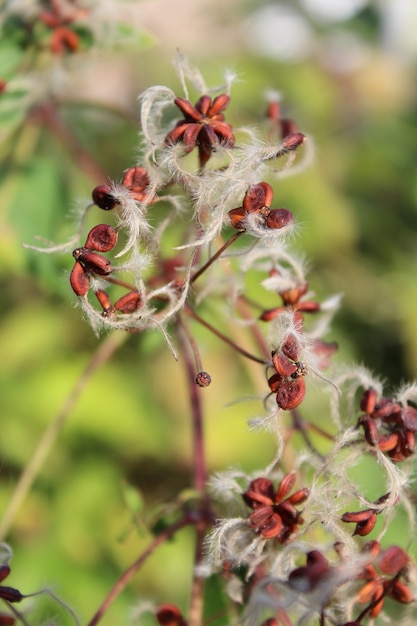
{"x":101,"y":238}
{"x":102,"y":198}
{"x":93,"y":262}
{"x":10,"y":594}
{"x":129,"y":303}
{"x":79,"y":280}
{"x":203,"y":379}
{"x":291,"y":393}
{"x":278,"y":218}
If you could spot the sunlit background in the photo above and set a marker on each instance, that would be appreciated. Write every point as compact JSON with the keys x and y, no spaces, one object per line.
{"x":346,"y":71}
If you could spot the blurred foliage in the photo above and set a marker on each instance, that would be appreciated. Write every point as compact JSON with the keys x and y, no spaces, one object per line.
{"x":126,"y":442}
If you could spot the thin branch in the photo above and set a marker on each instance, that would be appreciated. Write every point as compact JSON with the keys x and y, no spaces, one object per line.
{"x":220,"y":335}
{"x":216,"y":256}
{"x":128,"y":574}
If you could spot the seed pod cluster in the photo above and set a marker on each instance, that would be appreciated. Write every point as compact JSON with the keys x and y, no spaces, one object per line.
{"x":257,"y":201}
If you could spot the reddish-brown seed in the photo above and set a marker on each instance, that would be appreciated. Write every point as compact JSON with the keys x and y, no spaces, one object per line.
{"x":368,"y":401}
{"x":271,"y":314}
{"x":101,"y":238}
{"x":203,"y":379}
{"x":292,"y":296}
{"x":237,"y":217}
{"x":293,"y":141}
{"x":129,"y":303}
{"x":220,"y":103}
{"x":102,"y":198}
{"x":278,"y":218}
{"x":291,"y":393}
{"x":10,"y":594}
{"x":291,"y":347}
{"x":135,"y":178}
{"x":93,"y":262}
{"x":103,"y":298}
{"x":79,"y":280}
{"x":409,"y":418}
{"x":392,"y":560}
{"x":365,"y":527}
{"x":169,"y":615}
{"x":187,"y":108}
{"x":400,"y":592}
{"x":282,"y":364}
{"x":386,"y":443}
{"x":358,"y":516}
{"x":63,"y":40}
{"x":6,"y":620}
{"x":285,"y":486}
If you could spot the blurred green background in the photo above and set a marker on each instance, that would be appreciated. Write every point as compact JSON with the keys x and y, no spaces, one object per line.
{"x":347,"y":76}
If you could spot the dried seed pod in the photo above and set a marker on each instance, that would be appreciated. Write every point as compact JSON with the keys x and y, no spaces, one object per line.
{"x":129,"y":303}
{"x":368,"y":401}
{"x":6,"y":620}
{"x":271,"y":314}
{"x":364,"y":527}
{"x":292,"y":295}
{"x":101,"y":238}
{"x":104,"y":299}
{"x":291,"y":393}
{"x":278,"y":218}
{"x":258,"y":197}
{"x":392,"y":560}
{"x":169,"y":615}
{"x":400,"y":592}
{"x":10,"y":594}
{"x":274,"y":382}
{"x":308,"y":307}
{"x":409,"y":418}
{"x":237,"y":217}
{"x":79,"y":279}
{"x":203,"y":379}
{"x":357,"y":516}
{"x":282,"y":364}
{"x":293,"y":141}
{"x":388,"y":442}
{"x":93,"y":262}
{"x":220,"y":103}
{"x":291,"y":347}
{"x":102,"y":198}
{"x":285,"y":486}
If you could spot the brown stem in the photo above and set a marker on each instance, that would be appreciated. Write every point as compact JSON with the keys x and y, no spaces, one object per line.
{"x":300,"y":427}
{"x":220,"y":335}
{"x":216,"y":256}
{"x":128,"y":574}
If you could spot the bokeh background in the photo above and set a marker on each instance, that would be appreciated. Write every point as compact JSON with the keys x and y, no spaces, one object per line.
{"x":347,"y":73}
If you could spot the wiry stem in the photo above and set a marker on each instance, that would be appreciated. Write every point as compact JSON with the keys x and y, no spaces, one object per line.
{"x":128,"y":574}
{"x":216,"y":256}
{"x":224,"y":338}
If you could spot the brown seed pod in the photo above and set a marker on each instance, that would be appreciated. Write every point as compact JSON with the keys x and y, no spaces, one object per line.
{"x":368,"y":401}
{"x":129,"y":303}
{"x":293,"y":141}
{"x":282,"y":364}
{"x":203,"y":379}
{"x":169,"y":615}
{"x":102,"y":198}
{"x":392,"y":560}
{"x":291,"y":347}
{"x":237,"y":217}
{"x":101,"y":238}
{"x":278,"y":218}
{"x":93,"y":262}
{"x":291,"y":393}
{"x":366,"y":526}
{"x":79,"y":280}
